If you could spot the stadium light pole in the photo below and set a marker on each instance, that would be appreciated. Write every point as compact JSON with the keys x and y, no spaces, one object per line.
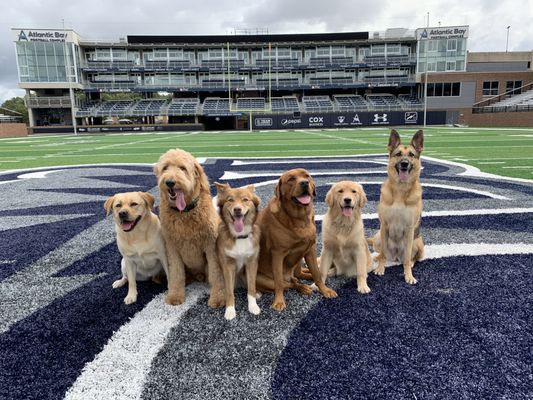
{"x":507,"y":41}
{"x":67,"y":75}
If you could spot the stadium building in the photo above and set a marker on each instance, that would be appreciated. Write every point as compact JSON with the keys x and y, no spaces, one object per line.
{"x":265,"y":81}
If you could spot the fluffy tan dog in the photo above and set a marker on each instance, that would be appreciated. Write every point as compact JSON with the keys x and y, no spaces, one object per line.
{"x":189,"y":223}
{"x":400,"y":207}
{"x":344,"y":247}
{"x":139,"y":239}
{"x":238,"y":242}
{"x":288,"y":234}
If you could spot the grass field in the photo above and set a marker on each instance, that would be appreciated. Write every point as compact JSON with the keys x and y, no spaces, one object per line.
{"x":507,"y":152}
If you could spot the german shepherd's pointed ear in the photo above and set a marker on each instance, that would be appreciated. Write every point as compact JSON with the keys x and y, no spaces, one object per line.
{"x":108,"y":205}
{"x":394,"y":140}
{"x":148,"y":199}
{"x":418,"y":141}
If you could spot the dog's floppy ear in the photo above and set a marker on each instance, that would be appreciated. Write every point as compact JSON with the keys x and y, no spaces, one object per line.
{"x":255,"y":199}
{"x":201,"y":176}
{"x":329,"y":197}
{"x":221,"y":193}
{"x":418,"y":141}
{"x":394,"y":140}
{"x":362,"y":198}
{"x":277,"y":191}
{"x":148,"y":199}
{"x":108,"y":205}
{"x":312,"y":182}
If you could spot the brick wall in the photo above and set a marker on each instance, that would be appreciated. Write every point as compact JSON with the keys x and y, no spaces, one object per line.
{"x":13,"y":130}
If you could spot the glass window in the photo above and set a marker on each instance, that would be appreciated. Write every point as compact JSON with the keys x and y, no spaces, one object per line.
{"x":450,"y":65}
{"x":447,"y":89}
{"x":490,"y":88}
{"x":431,"y":89}
{"x":432,"y":45}
{"x":456,"y":89}
{"x":438,"y":89}
{"x":513,"y":87}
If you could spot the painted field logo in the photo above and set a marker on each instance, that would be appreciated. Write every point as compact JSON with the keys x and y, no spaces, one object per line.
{"x":65,"y":329}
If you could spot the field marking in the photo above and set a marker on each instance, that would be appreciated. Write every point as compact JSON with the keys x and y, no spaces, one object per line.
{"x":520,"y":167}
{"x":491,"y":162}
{"x":238,"y":162}
{"x":122,"y":366}
{"x":237,"y":175}
{"x":343,"y":138}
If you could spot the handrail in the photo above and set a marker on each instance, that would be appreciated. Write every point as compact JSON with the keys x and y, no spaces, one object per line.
{"x":495,"y":99}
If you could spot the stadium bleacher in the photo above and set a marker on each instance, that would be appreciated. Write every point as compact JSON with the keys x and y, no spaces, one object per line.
{"x":317,"y":103}
{"x":187,"y":106}
{"x":350,"y":102}
{"x":147,"y":107}
{"x":251,"y":103}
{"x":383,"y":101}
{"x":213,"y":105}
{"x":285,"y":104}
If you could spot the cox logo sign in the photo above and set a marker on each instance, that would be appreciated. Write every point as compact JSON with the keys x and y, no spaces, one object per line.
{"x":316,"y":121}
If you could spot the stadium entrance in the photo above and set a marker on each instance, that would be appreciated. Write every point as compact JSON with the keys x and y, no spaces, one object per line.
{"x":218,"y":123}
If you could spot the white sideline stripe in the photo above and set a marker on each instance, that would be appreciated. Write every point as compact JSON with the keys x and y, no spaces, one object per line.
{"x":455,"y":213}
{"x":237,"y":175}
{"x":289,"y":160}
{"x":120,"y":369}
{"x":475,"y":249}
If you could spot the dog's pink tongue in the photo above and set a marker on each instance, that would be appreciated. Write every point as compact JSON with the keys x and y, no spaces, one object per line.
{"x":180,"y":200}
{"x":404,"y":175}
{"x":305,"y":199}
{"x":347,"y":211}
{"x":238,"y":224}
{"x":126,"y":226}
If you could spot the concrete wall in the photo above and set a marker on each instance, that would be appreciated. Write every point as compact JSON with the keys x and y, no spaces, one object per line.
{"x":13,"y":130}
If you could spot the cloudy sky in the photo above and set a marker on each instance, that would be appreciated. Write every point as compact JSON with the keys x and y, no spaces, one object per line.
{"x":97,"y":19}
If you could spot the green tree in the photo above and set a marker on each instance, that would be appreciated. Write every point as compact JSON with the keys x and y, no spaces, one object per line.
{"x":16,"y":104}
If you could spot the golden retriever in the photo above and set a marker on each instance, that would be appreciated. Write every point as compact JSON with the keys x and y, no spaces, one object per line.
{"x":238,"y":242}
{"x":139,"y":239}
{"x":288,"y":234}
{"x":400,"y":207}
{"x":344,"y":247}
{"x":189,"y":222}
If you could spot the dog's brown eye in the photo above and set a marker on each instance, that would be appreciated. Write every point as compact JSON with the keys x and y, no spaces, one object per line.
{"x":183,"y":168}
{"x":398,"y":154}
{"x":292,"y":178}
{"x":164,"y":168}
{"x":230,"y":199}
{"x":411,"y":154}
{"x":134,"y":204}
{"x":341,"y":191}
{"x":118,"y":205}
{"x":353,"y":191}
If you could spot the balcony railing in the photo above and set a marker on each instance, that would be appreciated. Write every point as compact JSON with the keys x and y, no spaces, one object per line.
{"x":47,"y":102}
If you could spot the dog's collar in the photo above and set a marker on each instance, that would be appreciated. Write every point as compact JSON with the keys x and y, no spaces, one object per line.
{"x":189,"y":206}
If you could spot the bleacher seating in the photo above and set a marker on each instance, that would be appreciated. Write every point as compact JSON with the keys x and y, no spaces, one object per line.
{"x":317,"y":103}
{"x":214,"y":105}
{"x":350,"y":102}
{"x":409,"y":100}
{"x":114,"y":108}
{"x":186,"y":106}
{"x":87,"y":108}
{"x":148,"y":107}
{"x":251,"y":103}
{"x":383,"y":101}
{"x":285,"y":104}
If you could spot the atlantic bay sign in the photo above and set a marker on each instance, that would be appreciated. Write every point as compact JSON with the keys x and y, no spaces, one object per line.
{"x":42,"y":35}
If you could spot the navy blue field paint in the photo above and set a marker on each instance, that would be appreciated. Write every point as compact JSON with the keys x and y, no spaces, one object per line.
{"x":462,"y":332}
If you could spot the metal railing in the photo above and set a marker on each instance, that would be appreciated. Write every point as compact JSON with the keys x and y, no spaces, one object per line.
{"x":485,"y":106}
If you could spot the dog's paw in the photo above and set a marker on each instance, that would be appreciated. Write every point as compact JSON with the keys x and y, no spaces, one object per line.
{"x":363,"y":289}
{"x":130,"y":298}
{"x":119,"y":283}
{"x":279,"y":305}
{"x":410,"y":279}
{"x":216,"y":302}
{"x":380,"y":270}
{"x":305,"y":289}
{"x":329,"y":293}
{"x":254,"y":308}
{"x":230,"y":313}
{"x":174,"y":299}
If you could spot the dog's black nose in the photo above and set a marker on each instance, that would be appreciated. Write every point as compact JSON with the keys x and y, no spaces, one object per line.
{"x":170,"y":183}
{"x":304,"y":184}
{"x":123,"y":214}
{"x":404,"y":164}
{"x":347,"y":200}
{"x":237,"y":211}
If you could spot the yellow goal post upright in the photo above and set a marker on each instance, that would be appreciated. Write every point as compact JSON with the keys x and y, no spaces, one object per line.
{"x":268,"y":102}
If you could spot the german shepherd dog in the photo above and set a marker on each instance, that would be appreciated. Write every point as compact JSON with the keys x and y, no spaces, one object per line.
{"x":400,"y":207}
{"x":238,"y":242}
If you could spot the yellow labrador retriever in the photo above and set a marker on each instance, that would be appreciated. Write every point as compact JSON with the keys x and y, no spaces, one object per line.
{"x":139,"y":239}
